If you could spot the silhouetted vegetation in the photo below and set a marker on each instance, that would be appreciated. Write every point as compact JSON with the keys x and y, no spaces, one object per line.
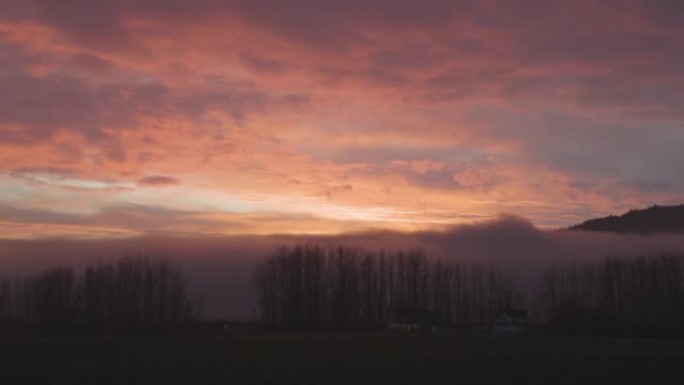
{"x":617,"y":296}
{"x":309,"y":287}
{"x":316,"y":288}
{"x":127,"y":295}
{"x":655,"y":219}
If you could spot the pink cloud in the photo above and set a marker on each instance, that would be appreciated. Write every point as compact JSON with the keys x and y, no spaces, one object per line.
{"x":384,"y":110}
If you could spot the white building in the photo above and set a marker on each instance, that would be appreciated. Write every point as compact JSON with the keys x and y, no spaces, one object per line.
{"x":509,"y":320}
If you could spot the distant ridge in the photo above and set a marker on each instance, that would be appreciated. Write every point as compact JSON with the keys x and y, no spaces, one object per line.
{"x":655,"y":219}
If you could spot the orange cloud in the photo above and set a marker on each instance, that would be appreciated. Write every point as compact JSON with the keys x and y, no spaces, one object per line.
{"x":258,"y":117}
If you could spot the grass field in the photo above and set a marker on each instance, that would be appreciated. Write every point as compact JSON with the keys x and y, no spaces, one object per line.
{"x":343,"y":359}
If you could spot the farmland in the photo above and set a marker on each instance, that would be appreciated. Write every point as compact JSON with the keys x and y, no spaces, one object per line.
{"x":374,"y":358}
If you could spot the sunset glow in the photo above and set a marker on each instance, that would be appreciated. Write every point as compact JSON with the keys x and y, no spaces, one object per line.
{"x":123,"y":118}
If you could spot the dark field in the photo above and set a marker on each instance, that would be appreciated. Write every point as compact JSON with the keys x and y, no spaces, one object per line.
{"x":343,"y":359}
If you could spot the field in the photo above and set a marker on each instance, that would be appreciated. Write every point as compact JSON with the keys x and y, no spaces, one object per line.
{"x":342,"y":359}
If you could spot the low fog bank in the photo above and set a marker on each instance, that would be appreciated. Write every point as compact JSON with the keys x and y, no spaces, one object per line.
{"x":219,"y":270}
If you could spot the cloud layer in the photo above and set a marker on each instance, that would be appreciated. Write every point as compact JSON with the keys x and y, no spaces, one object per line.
{"x":123,"y":117}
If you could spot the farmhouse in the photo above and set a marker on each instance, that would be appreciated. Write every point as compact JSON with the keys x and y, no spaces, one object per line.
{"x":510,"y":320}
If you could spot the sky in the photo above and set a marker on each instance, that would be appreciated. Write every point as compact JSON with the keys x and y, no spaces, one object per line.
{"x":127,"y":118}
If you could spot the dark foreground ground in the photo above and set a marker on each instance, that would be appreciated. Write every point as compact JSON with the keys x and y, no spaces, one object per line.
{"x":343,"y":359}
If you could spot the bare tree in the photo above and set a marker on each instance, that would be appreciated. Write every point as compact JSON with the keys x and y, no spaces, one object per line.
{"x":309,"y":286}
{"x":633,"y":296}
{"x":124,"y":294}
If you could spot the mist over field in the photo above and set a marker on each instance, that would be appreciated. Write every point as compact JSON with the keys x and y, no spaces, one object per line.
{"x":219,"y":270}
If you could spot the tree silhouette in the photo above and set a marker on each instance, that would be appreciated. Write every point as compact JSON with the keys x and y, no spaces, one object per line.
{"x":130,"y":294}
{"x":619,"y":296}
{"x":309,"y":287}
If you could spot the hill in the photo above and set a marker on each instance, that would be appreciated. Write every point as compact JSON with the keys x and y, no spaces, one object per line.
{"x":655,"y":219}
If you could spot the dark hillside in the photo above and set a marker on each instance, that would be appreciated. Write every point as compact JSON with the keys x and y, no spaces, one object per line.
{"x":655,"y":219}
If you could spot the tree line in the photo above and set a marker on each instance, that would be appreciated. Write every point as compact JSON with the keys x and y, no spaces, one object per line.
{"x":309,"y":287}
{"x":616,"y":296}
{"x":130,"y":294}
